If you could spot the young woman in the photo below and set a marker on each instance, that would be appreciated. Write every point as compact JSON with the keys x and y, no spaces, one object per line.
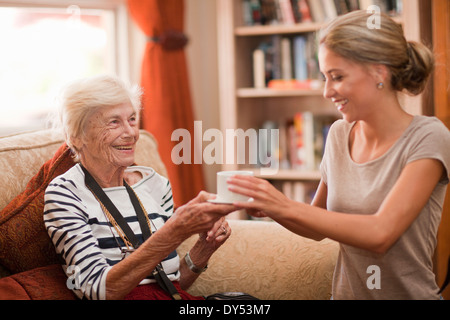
{"x":384,"y":172}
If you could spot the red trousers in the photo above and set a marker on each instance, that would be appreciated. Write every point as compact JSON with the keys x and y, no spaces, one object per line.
{"x":153,"y":291}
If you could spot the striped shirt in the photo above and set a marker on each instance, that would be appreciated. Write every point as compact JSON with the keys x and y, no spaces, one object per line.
{"x":85,"y":239}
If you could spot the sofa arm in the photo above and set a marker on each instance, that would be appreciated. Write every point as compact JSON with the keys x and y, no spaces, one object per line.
{"x":269,"y":262}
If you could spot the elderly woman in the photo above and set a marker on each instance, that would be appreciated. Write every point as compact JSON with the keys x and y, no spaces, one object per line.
{"x":103,"y":209}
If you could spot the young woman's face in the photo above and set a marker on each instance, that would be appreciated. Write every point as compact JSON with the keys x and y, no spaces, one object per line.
{"x":350,"y":85}
{"x":112,"y":134}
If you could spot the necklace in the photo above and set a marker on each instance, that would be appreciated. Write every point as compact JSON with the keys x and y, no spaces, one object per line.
{"x":119,"y":230}
{"x":124,"y":230}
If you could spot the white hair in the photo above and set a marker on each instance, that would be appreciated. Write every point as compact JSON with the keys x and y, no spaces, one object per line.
{"x":82,"y":98}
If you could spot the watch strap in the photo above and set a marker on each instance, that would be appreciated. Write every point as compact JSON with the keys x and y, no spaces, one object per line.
{"x":192,"y":266}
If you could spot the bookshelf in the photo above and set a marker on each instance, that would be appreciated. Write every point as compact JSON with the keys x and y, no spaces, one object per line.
{"x":246,"y":104}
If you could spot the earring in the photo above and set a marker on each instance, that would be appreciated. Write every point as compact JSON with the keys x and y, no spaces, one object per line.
{"x":380,"y":86}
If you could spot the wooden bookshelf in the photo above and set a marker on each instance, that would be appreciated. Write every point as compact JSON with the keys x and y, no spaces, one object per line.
{"x":277,"y":29}
{"x":267,"y":93}
{"x":243,"y":107}
{"x":440,"y":16}
{"x":288,"y":175}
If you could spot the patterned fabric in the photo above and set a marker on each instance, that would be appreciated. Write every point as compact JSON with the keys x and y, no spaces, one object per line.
{"x":21,"y":157}
{"x":268,"y":262}
{"x":24,"y":243}
{"x":46,"y":283}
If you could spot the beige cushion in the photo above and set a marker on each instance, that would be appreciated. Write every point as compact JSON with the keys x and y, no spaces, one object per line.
{"x":269,"y":262}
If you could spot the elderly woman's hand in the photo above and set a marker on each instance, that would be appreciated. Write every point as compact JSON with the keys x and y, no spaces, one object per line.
{"x":199,"y":216}
{"x":217,"y":236}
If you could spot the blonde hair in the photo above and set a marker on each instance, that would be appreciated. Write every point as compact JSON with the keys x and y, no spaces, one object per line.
{"x":82,"y":98}
{"x":410,"y":63}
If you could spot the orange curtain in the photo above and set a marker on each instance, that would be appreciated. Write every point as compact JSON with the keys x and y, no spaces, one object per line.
{"x":166,"y":101}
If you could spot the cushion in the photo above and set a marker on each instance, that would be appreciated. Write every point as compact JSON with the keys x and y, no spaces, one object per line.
{"x":24,"y":242}
{"x":266,"y":260}
{"x":46,"y":283}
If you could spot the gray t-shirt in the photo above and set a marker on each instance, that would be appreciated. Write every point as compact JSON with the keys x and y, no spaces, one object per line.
{"x":405,"y":271}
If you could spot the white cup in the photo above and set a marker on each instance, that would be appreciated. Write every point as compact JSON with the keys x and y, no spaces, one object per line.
{"x":223,"y":194}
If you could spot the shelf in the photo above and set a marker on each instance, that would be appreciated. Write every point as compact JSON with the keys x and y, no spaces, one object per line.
{"x":264,"y":30}
{"x":288,"y":174}
{"x":247,"y":107}
{"x":267,"y":93}
{"x":277,"y":29}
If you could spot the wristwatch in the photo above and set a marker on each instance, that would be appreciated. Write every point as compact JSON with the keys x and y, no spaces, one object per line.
{"x":192,"y":266}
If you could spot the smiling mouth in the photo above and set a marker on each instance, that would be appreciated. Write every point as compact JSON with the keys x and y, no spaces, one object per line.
{"x":340,"y":103}
{"x":124,"y":148}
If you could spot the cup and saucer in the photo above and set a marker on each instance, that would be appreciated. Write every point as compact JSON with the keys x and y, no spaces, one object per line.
{"x":225,"y":196}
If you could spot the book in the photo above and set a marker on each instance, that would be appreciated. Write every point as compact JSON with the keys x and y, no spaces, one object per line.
{"x":299,"y":191}
{"x":353,"y":5}
{"x":300,"y":64}
{"x":247,"y":12}
{"x":342,"y":6}
{"x":275,"y":63}
{"x":306,"y":135}
{"x":268,"y":145}
{"x":286,"y":59}
{"x":330,"y":10}
{"x":269,"y":12}
{"x":285,"y":84}
{"x":298,"y":146}
{"x":304,"y":142}
{"x":312,"y":63}
{"x":305,"y":12}
{"x":259,"y":74}
{"x":317,"y":10}
{"x":286,"y":11}
{"x":265,"y":55}
{"x":286,"y":189}
{"x":299,"y":143}
{"x":255,"y":11}
{"x":296,"y":11}
{"x":366,"y":4}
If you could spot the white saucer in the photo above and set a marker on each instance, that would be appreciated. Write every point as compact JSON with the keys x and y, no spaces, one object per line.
{"x":219,"y":201}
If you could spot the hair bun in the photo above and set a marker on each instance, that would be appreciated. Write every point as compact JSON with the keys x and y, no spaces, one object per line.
{"x":418,"y":68}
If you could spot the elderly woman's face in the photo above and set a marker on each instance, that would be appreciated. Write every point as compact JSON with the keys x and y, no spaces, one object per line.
{"x":112,"y":134}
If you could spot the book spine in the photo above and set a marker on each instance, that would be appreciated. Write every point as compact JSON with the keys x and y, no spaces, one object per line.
{"x":259,"y":76}
{"x":286,"y":59}
{"x":300,"y":59}
{"x":287,"y":12}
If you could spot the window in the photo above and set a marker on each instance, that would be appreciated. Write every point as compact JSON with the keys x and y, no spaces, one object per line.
{"x":43,"y":48}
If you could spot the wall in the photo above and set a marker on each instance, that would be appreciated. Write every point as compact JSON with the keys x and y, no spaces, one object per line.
{"x":203,"y":69}
{"x":201,"y":53}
